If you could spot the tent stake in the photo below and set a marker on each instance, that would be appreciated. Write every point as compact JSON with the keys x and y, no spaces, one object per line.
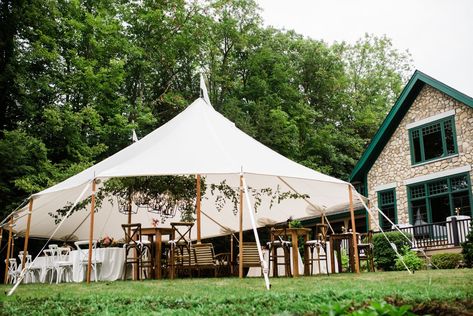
{"x":240,"y":266}
{"x":264,"y":264}
{"x":198,"y":210}
{"x":27,"y":235}
{"x":91,"y":236}
{"x":10,"y":230}
{"x":353,"y":230}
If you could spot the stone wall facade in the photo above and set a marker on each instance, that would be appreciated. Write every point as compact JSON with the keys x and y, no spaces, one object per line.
{"x":394,"y":163}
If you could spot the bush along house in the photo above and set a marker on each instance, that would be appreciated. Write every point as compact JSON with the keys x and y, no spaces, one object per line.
{"x":417,"y":168}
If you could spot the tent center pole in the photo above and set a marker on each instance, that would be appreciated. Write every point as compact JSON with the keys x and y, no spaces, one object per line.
{"x":240,"y":266}
{"x":198,"y":215}
{"x":91,"y":234}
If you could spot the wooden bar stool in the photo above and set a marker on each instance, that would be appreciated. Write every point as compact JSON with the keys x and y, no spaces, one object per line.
{"x":277,"y":242}
{"x":180,"y":246}
{"x":142,"y":258}
{"x":365,"y":250}
{"x":318,"y":245}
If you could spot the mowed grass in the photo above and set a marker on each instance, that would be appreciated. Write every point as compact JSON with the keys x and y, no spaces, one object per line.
{"x":434,"y":291}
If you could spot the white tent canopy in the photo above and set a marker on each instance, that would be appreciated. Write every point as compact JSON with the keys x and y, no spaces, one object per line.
{"x":197,"y":141}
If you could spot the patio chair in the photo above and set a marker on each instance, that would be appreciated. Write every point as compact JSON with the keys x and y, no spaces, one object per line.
{"x":63,"y":265}
{"x":47,"y":273}
{"x":250,"y":255}
{"x":141,"y":251}
{"x":203,"y":258}
{"x":277,"y":259}
{"x":180,"y":245}
{"x":319,"y":246}
{"x":31,"y":271}
{"x":13,"y":272}
{"x":365,"y":250}
{"x":83,"y":248}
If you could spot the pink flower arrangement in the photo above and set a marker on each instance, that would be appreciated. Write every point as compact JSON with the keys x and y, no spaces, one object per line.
{"x":106,"y":241}
{"x":155,"y":222}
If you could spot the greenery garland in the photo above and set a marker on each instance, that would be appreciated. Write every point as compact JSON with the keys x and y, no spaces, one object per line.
{"x":165,"y":194}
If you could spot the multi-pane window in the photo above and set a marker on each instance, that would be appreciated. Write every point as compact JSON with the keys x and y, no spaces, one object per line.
{"x":434,"y":201}
{"x":434,"y":140}
{"x":387,"y":204}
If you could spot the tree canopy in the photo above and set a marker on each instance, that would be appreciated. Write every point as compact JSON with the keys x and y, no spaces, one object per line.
{"x":77,"y":76}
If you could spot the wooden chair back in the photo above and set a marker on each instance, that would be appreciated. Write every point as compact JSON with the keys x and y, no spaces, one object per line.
{"x":132,"y":233}
{"x":250,"y":255}
{"x":204,"y":255}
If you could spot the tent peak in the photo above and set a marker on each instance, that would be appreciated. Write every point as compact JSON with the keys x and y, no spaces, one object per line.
{"x":203,"y":90}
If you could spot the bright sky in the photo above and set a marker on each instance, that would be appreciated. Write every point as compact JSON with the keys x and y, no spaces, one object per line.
{"x":437,"y":33}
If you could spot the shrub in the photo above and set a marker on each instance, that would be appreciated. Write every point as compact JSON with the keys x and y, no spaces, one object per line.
{"x":467,"y":248}
{"x":446,"y":260}
{"x":410,"y":258}
{"x":384,"y":255}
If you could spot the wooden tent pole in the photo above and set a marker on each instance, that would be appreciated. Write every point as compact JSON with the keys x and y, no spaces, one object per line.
{"x":240,"y":265}
{"x":129,"y":215}
{"x":91,"y":233}
{"x":231,"y":254}
{"x":10,"y":231}
{"x":27,"y":235}
{"x":353,"y":230}
{"x":198,"y":213}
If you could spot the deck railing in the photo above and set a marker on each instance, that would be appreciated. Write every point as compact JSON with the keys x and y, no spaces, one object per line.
{"x":437,"y":235}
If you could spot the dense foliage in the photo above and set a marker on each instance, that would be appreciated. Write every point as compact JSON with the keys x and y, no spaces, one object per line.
{"x":446,"y":260}
{"x":77,"y":76}
{"x":384,"y":255}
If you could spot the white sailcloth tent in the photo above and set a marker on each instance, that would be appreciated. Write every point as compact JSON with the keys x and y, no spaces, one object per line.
{"x":198,"y":141}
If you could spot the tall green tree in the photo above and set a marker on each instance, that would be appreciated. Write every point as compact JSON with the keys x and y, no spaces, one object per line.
{"x":77,"y":76}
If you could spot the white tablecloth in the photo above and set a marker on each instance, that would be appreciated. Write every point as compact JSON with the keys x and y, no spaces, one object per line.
{"x":111,"y":268}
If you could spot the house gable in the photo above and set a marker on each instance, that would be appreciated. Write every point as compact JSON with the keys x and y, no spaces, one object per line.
{"x":394,"y":117}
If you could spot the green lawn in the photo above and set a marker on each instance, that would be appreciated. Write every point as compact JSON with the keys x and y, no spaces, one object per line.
{"x":435,"y":291}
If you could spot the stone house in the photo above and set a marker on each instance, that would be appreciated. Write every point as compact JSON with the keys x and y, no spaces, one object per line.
{"x":417,"y":168}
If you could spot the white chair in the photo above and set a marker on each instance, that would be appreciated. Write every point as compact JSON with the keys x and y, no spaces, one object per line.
{"x":13,"y":272}
{"x":47,"y":272}
{"x":63,"y":265}
{"x":83,"y":247}
{"x":31,"y":271}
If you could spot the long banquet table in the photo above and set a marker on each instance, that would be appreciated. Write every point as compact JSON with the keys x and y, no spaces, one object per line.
{"x":111,"y":268}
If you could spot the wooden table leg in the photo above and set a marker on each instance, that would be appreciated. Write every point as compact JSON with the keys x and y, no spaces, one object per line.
{"x":172,"y":258}
{"x":306,"y":256}
{"x":332,"y":255}
{"x":157,"y":264}
{"x":295,"y":257}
